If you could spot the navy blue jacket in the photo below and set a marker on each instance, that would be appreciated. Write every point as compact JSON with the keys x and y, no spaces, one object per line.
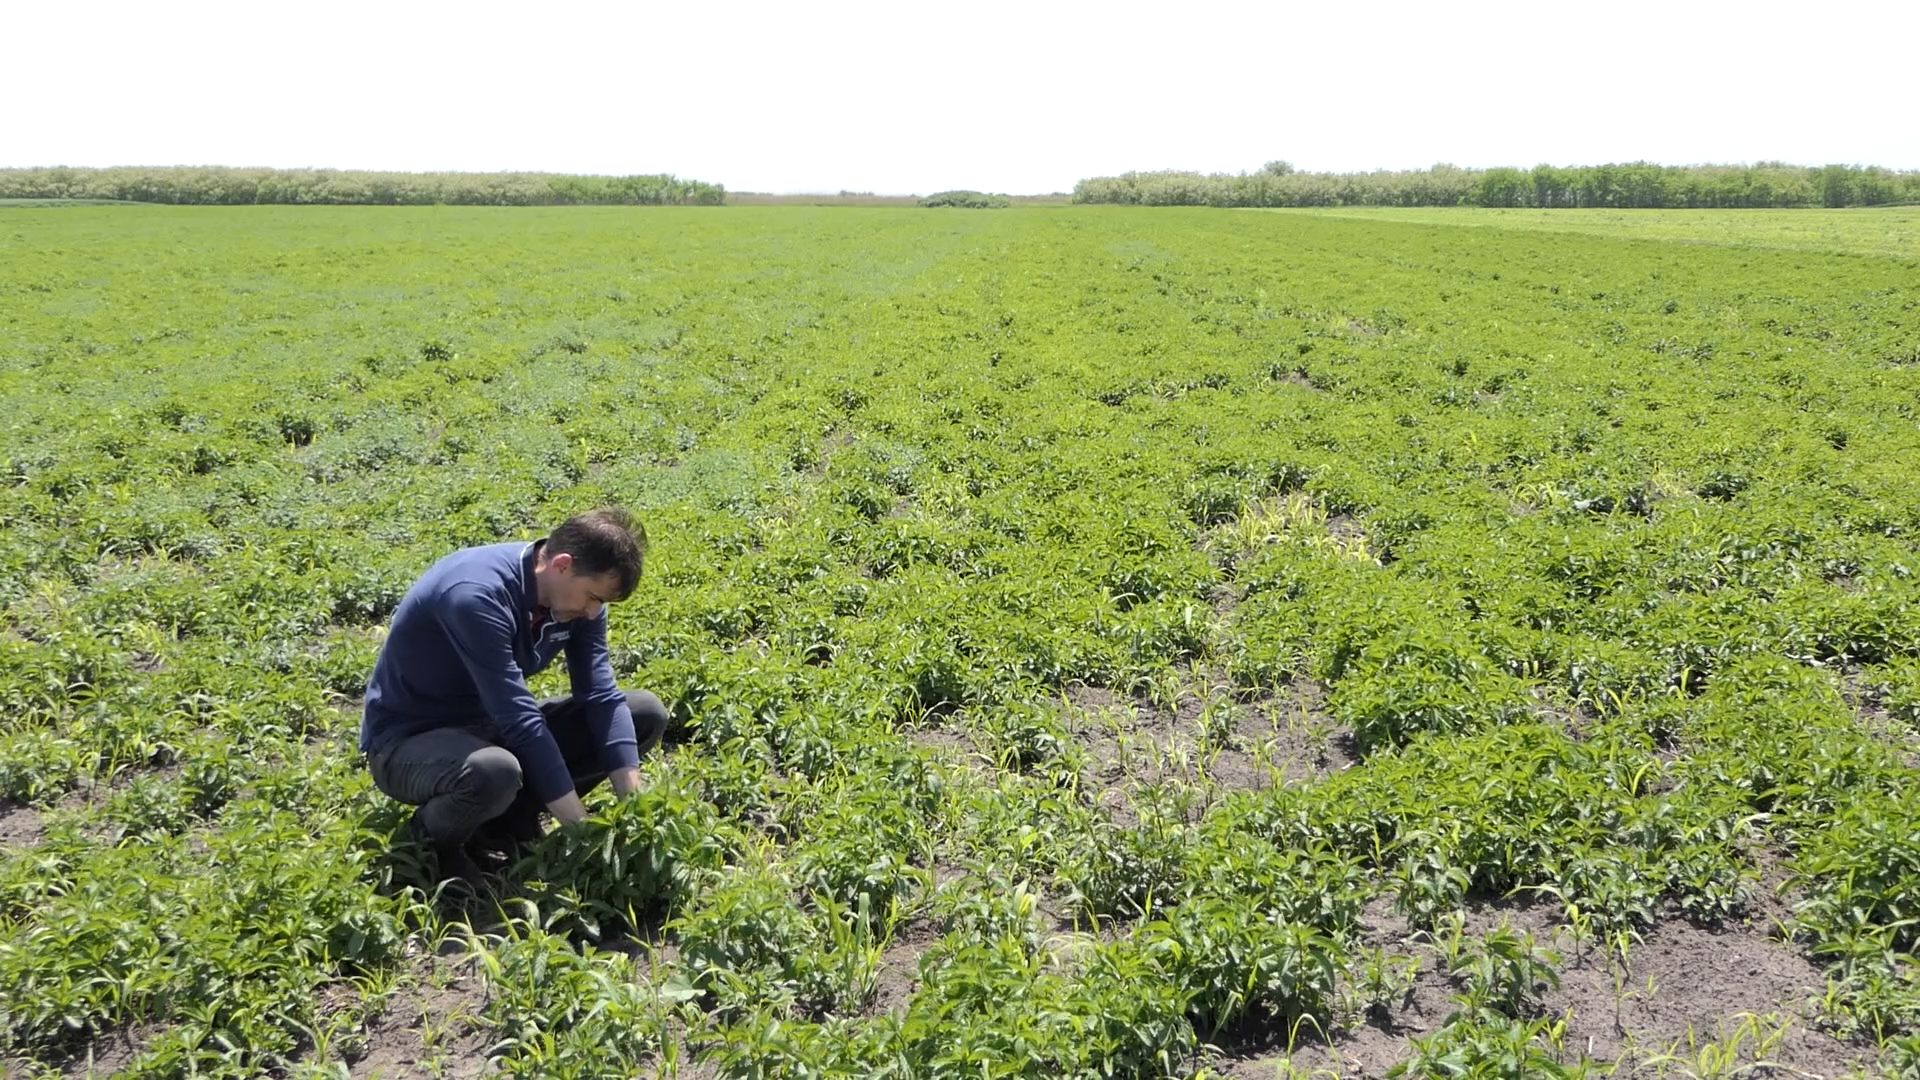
{"x":459,"y":652}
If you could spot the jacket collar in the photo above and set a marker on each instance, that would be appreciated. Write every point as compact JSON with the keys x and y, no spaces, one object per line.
{"x":530,"y":586}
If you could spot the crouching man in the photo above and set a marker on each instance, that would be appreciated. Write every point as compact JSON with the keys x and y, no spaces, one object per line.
{"x":450,"y":725}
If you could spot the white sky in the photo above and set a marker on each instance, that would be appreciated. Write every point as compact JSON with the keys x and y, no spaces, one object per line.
{"x":902,"y":97}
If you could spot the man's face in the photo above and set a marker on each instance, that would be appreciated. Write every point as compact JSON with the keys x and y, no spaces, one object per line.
{"x":579,"y":596}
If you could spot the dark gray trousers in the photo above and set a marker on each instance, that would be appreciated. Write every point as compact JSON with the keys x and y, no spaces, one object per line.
{"x":461,"y":781}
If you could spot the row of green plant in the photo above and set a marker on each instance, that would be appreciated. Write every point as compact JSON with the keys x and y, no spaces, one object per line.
{"x":1565,"y":538}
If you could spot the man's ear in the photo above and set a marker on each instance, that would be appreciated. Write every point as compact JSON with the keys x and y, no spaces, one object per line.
{"x":563,"y":562}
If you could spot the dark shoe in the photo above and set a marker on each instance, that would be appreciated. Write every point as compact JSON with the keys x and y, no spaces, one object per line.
{"x":450,"y":861}
{"x":505,"y":838}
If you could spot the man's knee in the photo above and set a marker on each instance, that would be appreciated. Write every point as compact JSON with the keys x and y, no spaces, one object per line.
{"x":649,"y":718}
{"x":490,"y":780}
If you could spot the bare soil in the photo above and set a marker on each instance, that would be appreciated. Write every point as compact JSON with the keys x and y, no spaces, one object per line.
{"x":831,"y":445}
{"x":947,"y":745}
{"x":20,"y":827}
{"x":1681,"y":987}
{"x":105,"y":1056}
{"x":1876,"y":720}
{"x":898,"y":975}
{"x":430,"y":1028}
{"x":1208,"y":738}
{"x":111,"y":1053}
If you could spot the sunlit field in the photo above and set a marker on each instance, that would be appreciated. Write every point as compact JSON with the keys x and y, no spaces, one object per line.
{"x":1890,"y":232}
{"x":1101,"y":641}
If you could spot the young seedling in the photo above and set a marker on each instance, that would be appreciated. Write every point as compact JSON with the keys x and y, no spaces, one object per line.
{"x":1747,"y":1048}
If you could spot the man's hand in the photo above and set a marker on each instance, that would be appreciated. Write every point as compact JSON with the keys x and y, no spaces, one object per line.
{"x":568,"y":809}
{"x":624,"y":781}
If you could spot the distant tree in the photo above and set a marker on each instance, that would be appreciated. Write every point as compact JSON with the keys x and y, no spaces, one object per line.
{"x":229,"y":186}
{"x":1836,"y":185}
{"x":1502,"y":187}
{"x":968,"y":200}
{"x":1549,"y":187}
{"x":1638,"y":184}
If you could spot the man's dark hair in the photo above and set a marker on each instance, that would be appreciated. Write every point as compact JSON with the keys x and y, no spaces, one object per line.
{"x":602,"y":541}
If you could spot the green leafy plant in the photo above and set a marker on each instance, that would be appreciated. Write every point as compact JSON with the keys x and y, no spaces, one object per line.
{"x":1506,"y":973}
{"x":978,"y":547}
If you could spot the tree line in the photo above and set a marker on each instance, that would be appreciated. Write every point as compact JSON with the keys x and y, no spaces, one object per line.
{"x":1633,"y":185}
{"x":967,"y":200}
{"x":222,"y":186}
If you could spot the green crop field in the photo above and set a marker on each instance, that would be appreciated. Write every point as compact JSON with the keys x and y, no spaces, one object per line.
{"x":1892,"y":231}
{"x":1101,"y":641}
